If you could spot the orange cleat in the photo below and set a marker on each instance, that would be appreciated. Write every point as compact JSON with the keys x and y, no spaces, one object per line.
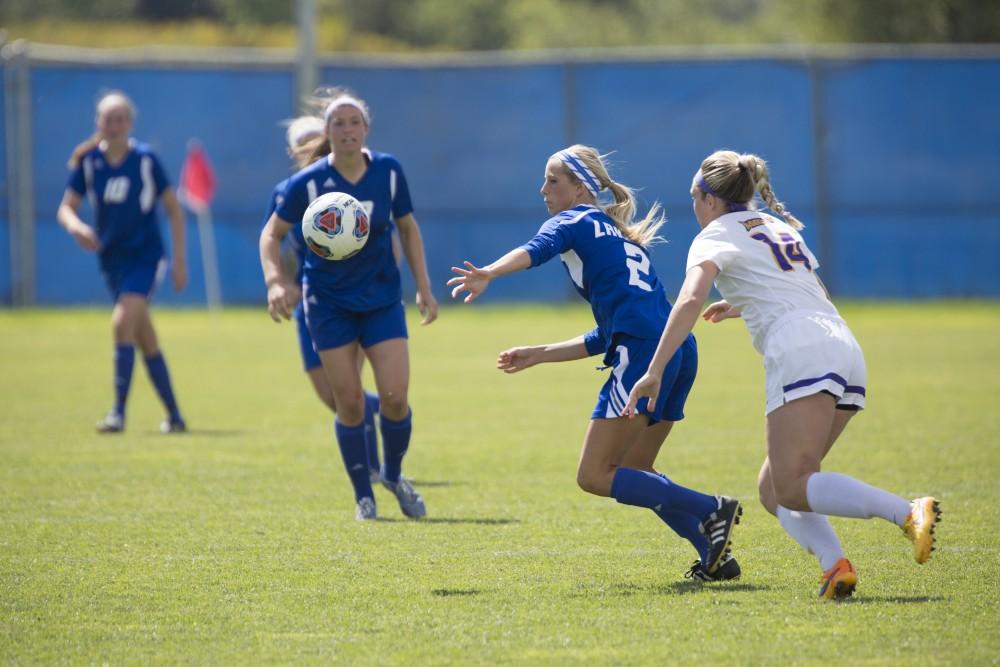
{"x":839,"y":581}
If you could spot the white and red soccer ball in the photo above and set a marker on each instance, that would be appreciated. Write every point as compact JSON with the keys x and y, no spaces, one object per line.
{"x":335,"y":226}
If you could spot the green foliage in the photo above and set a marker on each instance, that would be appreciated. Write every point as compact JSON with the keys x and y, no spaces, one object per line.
{"x":236,"y":543}
{"x":377,"y":25}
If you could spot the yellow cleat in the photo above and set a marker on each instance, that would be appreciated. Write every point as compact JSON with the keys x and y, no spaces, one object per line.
{"x":839,"y":581}
{"x":919,"y":527}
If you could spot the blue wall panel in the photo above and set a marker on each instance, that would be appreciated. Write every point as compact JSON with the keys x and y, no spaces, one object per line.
{"x":909,"y":150}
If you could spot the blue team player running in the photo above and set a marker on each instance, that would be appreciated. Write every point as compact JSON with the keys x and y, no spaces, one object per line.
{"x":123,"y":180}
{"x":357,"y":301}
{"x":604,"y":253}
{"x":301,"y":131}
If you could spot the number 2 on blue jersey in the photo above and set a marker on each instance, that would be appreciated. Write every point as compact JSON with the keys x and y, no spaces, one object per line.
{"x":637,"y":262}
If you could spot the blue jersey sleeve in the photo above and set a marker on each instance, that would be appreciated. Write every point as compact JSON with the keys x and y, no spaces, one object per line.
{"x":552,"y":239}
{"x":400,"y":191}
{"x":159,"y":175}
{"x":594,"y":341}
{"x":76,"y":182}
{"x":273,"y":202}
{"x":291,"y":204}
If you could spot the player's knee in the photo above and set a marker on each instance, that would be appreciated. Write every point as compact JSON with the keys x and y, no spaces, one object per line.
{"x":394,"y":404}
{"x":590,"y":482}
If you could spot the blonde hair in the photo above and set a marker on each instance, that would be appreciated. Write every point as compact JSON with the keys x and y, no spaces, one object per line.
{"x":319,"y":102}
{"x":622,"y":211}
{"x":737,"y":177}
{"x":108,"y":100}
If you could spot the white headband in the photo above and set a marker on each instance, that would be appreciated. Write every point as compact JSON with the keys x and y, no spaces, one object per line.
{"x":346,"y":101}
{"x":302,"y":128}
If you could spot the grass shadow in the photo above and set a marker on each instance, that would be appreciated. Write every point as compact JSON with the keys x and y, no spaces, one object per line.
{"x":895,"y":599}
{"x":200,"y":432}
{"x":674,"y":588}
{"x":455,"y":592}
{"x":436,"y":483}
{"x":486,"y":521}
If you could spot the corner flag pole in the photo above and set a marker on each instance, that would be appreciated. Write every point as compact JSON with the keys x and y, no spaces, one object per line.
{"x":198,"y":189}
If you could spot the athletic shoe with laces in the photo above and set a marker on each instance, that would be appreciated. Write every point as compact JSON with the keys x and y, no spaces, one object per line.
{"x":718,"y":528}
{"x":366,"y":510}
{"x":728,"y":570}
{"x":410,"y":502}
{"x":173,"y":426}
{"x":919,"y":527}
{"x":111,"y":423}
{"x":839,"y":581}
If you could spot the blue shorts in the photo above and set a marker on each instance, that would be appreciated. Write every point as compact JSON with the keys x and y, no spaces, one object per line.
{"x":142,"y":279}
{"x":332,"y":326}
{"x":629,"y":358}
{"x":310,"y":358}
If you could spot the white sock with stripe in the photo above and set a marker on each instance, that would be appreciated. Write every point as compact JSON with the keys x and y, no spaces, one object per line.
{"x":814,"y":533}
{"x":839,"y":495}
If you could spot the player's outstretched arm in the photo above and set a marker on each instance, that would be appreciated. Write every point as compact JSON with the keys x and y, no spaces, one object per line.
{"x":720,"y":310}
{"x":281,"y":295}
{"x":519,"y":358}
{"x":475,"y":280}
{"x":682,"y":319}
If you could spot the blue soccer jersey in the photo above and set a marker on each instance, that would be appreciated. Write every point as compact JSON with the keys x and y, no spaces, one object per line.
{"x":123,"y":198}
{"x":370,"y":279}
{"x":613,"y":274}
{"x":296,"y":241}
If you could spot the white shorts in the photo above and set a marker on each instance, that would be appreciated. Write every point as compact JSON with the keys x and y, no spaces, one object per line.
{"x":806,"y":353}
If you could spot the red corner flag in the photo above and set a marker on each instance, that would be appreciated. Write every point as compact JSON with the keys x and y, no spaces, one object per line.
{"x":197,"y":178}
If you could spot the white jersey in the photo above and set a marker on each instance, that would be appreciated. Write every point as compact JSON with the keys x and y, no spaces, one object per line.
{"x":765,"y":269}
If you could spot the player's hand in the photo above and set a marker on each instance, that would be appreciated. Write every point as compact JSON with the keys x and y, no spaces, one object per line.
{"x":294,"y":294}
{"x":648,"y":386}
{"x":518,"y":358}
{"x":471,"y":279}
{"x":720,"y":310}
{"x":179,"y":272}
{"x":85,"y":237}
{"x":428,"y":307}
{"x":280,"y":302}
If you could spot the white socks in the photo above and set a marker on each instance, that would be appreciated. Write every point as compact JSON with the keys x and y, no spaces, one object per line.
{"x":839,"y":495}
{"x":815,"y":534}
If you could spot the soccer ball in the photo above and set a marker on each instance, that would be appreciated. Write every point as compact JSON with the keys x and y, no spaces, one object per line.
{"x":335,"y":226}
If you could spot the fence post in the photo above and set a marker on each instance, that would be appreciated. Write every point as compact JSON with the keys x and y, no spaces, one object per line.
{"x":306,"y":72}
{"x":821,"y":181}
{"x":20,"y":186}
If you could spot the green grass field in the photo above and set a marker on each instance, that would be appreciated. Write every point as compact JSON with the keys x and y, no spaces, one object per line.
{"x":237,"y":543}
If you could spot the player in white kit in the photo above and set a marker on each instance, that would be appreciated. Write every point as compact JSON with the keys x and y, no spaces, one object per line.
{"x":815,"y":371}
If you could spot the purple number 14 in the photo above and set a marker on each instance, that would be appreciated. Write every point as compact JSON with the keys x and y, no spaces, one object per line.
{"x":786,"y":252}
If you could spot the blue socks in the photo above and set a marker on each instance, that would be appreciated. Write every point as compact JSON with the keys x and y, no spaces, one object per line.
{"x":157,"y":368}
{"x":646,"y":489}
{"x":687,"y":526}
{"x":371,"y":435}
{"x":354,"y":452}
{"x":124,"y":361}
{"x":395,"y":441}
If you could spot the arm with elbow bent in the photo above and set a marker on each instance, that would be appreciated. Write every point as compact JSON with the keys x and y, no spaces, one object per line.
{"x":475,"y":280}
{"x":70,"y":220}
{"x":281,"y":294}
{"x":682,"y":319}
{"x":412,"y":243}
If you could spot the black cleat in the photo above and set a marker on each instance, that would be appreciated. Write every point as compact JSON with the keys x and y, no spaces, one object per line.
{"x":728,"y":570}
{"x":718,"y":528}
